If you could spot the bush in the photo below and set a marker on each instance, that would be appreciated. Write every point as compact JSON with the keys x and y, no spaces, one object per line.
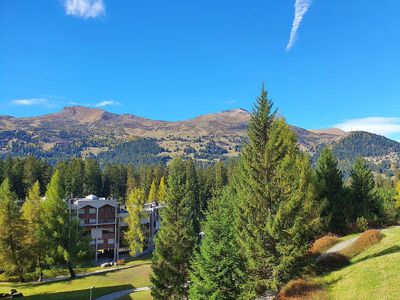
{"x":302,"y":289}
{"x":364,"y":241}
{"x":332,"y":261}
{"x":323,"y":243}
{"x":361,"y":224}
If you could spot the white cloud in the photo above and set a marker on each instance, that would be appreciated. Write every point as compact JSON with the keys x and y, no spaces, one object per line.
{"x":107,"y":103}
{"x":379,"y":125}
{"x":31,"y":102}
{"x":85,"y":8}
{"x":300,"y":9}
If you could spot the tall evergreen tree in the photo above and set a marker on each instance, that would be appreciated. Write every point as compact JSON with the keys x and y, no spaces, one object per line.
{"x":176,"y":238}
{"x":12,"y":234}
{"x":277,"y":214}
{"x":362,"y":195}
{"x":92,"y":182}
{"x":131,"y":180}
{"x":134,"y":236}
{"x":218,"y":267}
{"x":35,"y":241}
{"x":329,"y":183}
{"x":221,"y":179}
{"x":192,"y":195}
{"x":152,"y":193}
{"x":66,"y":242}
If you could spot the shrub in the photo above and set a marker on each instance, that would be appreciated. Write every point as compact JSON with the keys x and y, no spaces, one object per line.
{"x":323,"y":243}
{"x":365,"y":240}
{"x":302,"y":289}
{"x":361,"y":224}
{"x":332,"y":261}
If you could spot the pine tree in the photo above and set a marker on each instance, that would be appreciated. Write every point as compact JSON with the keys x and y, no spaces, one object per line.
{"x":35,"y":241}
{"x":162,"y":190}
{"x":12,"y":234}
{"x":221,"y":179}
{"x":362,"y":195}
{"x":92,"y":182}
{"x":192,"y":195}
{"x":134,"y":235}
{"x":66,"y":242}
{"x":152,"y":193}
{"x":276,"y":213}
{"x":329,"y":184}
{"x":131,"y":181}
{"x":218,"y":266}
{"x":176,"y":238}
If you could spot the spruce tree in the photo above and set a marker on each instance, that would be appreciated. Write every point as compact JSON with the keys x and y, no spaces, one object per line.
{"x":35,"y":241}
{"x":329,"y":184}
{"x":92,"y":182}
{"x":221,"y":179}
{"x":218,"y":267}
{"x":276,"y":214}
{"x":66,"y":242}
{"x":134,"y":235}
{"x":12,"y":234}
{"x":176,"y":238}
{"x":152,"y":193}
{"x":362,"y":194}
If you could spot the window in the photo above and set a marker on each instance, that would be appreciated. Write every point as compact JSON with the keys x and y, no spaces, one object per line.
{"x":108,"y":230}
{"x":92,"y":221}
{"x":92,"y":210}
{"x":81,"y":211}
{"x":110,"y":241}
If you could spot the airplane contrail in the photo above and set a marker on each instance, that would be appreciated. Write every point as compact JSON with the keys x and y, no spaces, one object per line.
{"x":300,"y":9}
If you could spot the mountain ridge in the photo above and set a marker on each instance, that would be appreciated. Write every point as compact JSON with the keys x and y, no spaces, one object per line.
{"x":89,"y":132}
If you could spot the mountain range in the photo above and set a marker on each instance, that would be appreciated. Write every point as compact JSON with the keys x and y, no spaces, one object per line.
{"x":125,"y":138}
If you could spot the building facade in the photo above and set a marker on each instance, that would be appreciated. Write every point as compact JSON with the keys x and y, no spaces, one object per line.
{"x":104,"y":221}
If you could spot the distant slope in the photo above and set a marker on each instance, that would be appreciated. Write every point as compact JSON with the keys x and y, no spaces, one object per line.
{"x":82,"y":131}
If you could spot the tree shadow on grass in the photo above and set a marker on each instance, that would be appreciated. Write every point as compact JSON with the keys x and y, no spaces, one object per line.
{"x":391,"y":250}
{"x":80,"y":294}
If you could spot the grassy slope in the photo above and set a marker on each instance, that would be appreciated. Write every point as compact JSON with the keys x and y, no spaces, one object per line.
{"x":77,"y":289}
{"x":137,"y":296}
{"x":373,"y":274}
{"x":51,"y":273}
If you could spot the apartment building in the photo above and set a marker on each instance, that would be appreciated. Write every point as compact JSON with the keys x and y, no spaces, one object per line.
{"x":104,"y":220}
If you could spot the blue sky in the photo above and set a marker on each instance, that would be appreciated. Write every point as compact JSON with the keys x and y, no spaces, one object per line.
{"x":174,"y":60}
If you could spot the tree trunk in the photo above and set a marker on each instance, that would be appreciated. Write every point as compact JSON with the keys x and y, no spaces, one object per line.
{"x":40,"y":274}
{"x":71,"y":271}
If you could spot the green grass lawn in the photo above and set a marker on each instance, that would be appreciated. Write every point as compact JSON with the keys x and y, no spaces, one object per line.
{"x":77,"y":289}
{"x":373,"y":274}
{"x":137,"y":296}
{"x":51,"y":273}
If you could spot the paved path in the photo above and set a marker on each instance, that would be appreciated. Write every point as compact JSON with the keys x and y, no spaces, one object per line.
{"x":119,"y":294}
{"x":340,"y":246}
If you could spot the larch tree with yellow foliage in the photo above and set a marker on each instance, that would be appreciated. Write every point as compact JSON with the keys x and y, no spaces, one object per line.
{"x":134,"y":235}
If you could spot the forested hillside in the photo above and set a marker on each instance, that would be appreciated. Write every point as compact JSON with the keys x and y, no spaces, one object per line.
{"x":128,"y":139}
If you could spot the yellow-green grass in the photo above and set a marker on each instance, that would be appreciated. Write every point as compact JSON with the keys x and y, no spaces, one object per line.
{"x":51,"y":273}
{"x":373,"y":274}
{"x":76,"y":289}
{"x":145,"y":295}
